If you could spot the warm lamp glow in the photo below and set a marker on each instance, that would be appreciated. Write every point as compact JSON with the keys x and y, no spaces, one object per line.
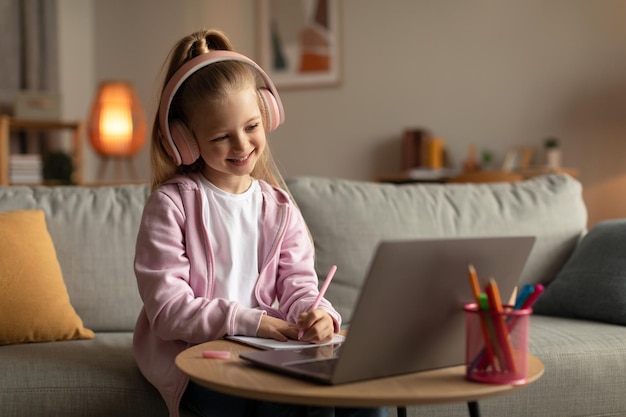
{"x":117,"y":125}
{"x":117,"y":122}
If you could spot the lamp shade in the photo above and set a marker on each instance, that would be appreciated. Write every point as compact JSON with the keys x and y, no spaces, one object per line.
{"x":117,"y":124}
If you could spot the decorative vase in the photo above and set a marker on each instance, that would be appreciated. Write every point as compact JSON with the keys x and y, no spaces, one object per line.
{"x":553,"y":157}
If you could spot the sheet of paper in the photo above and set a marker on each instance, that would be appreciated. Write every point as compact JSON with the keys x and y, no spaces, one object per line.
{"x":271,"y":344}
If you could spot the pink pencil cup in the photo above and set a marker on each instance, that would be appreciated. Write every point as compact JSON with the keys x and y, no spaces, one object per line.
{"x":496,"y":349}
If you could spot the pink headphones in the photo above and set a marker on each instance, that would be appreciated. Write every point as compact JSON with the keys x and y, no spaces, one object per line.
{"x":176,"y":137}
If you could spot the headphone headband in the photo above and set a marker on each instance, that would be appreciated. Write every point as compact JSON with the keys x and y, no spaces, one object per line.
{"x":188,"y":69}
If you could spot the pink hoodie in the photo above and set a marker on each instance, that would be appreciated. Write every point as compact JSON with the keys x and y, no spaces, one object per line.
{"x":175,"y":277}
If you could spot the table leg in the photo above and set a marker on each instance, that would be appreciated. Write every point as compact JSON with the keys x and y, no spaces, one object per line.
{"x":401,"y":411}
{"x":473,"y":409}
{"x":250,"y":409}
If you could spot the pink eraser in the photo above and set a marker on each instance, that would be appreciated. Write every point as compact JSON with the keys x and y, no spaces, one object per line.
{"x":216,"y":354}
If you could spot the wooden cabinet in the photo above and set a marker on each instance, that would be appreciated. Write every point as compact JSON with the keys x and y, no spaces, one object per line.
{"x":9,"y":124}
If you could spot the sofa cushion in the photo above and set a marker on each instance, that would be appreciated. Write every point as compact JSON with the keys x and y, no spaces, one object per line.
{"x":77,"y":378}
{"x":34,"y":304}
{"x":592,"y":284}
{"x":94,"y":230}
{"x":347,"y":220}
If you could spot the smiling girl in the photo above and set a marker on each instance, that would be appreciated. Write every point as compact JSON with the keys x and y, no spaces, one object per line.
{"x":221,"y":249}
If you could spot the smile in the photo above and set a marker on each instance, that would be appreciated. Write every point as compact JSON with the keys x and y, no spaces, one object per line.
{"x":240,"y":160}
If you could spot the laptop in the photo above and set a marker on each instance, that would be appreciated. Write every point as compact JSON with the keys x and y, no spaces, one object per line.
{"x":409,"y":316}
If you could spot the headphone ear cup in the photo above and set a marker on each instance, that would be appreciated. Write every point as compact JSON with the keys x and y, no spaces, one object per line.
{"x":272,"y":112}
{"x":186,"y":144}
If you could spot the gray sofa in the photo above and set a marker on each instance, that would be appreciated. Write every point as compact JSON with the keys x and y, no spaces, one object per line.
{"x":93,"y":230}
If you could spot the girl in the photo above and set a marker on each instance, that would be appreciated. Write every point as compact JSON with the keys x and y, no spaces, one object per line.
{"x":221,"y":249}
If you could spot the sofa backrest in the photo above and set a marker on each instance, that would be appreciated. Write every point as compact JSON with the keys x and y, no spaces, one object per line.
{"x":94,"y":232}
{"x":348,"y":218}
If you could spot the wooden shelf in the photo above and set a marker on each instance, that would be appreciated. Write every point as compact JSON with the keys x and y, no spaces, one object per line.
{"x":532,"y":171}
{"x":9,"y":124}
{"x":481,"y":176}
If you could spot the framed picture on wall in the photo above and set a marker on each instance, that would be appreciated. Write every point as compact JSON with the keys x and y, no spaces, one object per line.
{"x":299,"y":42}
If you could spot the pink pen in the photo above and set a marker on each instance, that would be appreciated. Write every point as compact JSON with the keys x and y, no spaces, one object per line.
{"x":325,"y":285}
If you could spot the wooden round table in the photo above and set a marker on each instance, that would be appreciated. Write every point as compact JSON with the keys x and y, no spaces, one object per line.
{"x":237,"y":377}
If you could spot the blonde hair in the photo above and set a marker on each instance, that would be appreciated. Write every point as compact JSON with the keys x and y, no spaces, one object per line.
{"x":212,"y":83}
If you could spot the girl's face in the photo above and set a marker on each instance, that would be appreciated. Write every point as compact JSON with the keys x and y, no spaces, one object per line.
{"x":231,"y":138}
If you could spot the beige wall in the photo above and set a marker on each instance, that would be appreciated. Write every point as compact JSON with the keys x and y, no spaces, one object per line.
{"x":494,"y":73}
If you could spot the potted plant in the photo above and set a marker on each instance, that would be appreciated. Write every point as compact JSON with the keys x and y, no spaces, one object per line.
{"x":57,"y":168}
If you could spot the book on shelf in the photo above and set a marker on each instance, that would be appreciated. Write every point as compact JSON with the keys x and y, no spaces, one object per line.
{"x":25,"y":168}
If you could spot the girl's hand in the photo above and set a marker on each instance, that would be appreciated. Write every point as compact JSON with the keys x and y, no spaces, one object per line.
{"x":317,"y":326}
{"x":274,"y":328}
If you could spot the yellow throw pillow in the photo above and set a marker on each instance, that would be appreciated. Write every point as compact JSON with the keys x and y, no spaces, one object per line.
{"x":34,"y":303}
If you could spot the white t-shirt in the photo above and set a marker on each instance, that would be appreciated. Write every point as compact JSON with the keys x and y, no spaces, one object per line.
{"x":233,"y":222}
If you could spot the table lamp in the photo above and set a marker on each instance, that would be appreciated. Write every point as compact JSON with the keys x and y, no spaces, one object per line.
{"x":117,"y":126}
